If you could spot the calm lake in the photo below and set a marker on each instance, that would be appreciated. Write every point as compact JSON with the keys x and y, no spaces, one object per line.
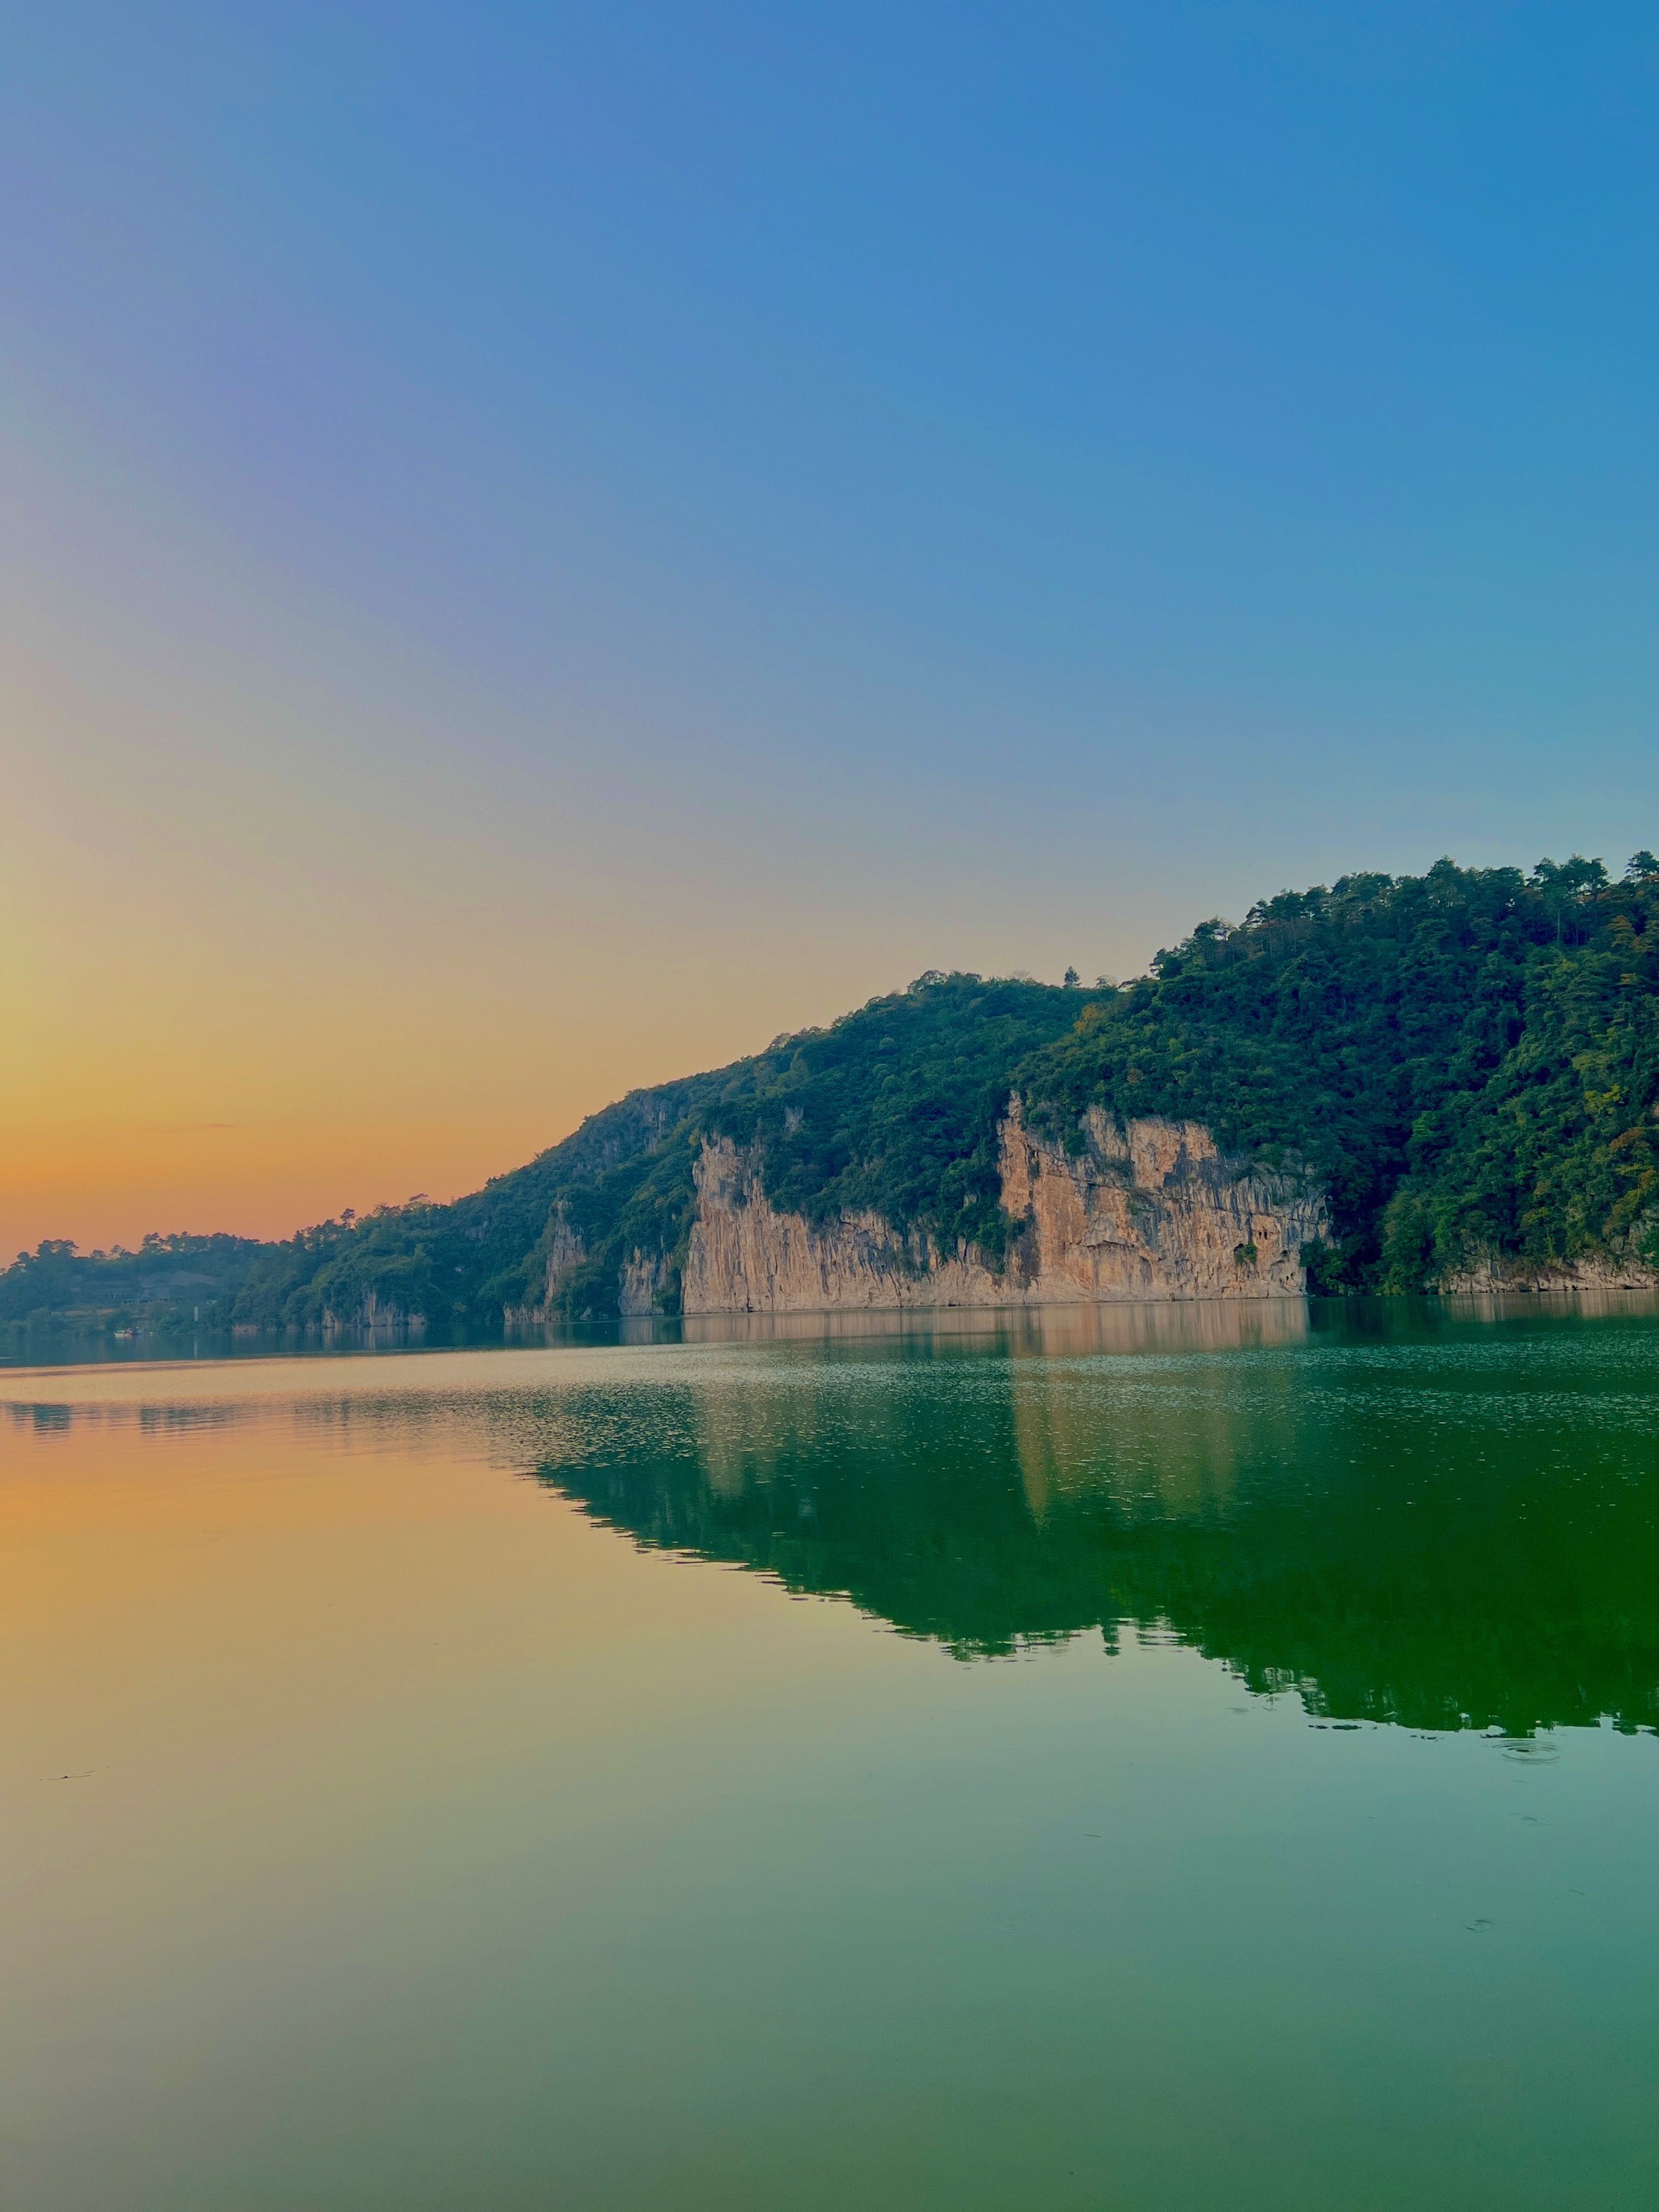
{"x":1194,"y":1758}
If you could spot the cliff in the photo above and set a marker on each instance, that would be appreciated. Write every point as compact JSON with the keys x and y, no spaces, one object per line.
{"x":1594,"y":1272}
{"x":1152,"y":1211}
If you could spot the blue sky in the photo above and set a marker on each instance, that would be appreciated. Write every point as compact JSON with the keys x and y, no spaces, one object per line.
{"x":752,"y":503}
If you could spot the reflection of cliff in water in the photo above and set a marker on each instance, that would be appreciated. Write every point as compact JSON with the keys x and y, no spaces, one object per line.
{"x":1461,"y":1532}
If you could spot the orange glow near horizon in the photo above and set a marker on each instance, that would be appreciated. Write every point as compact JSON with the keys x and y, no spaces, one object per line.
{"x":259,"y":1096}
{"x":226,"y":1005}
{"x":108,"y":1183}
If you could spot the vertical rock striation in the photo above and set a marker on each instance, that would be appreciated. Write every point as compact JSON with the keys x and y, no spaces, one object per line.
{"x":1150,"y":1210}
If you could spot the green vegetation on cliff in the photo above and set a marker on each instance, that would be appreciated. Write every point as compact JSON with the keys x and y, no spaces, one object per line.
{"x":1470,"y":1060}
{"x":893,"y":1109}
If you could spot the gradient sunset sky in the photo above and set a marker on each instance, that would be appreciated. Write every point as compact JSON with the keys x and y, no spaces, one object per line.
{"x":548,"y":544}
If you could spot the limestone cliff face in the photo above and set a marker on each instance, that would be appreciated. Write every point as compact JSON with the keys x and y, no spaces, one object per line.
{"x":1152,"y":1211}
{"x":565,"y":1251}
{"x":1593,"y":1272}
{"x":745,"y":1257}
{"x":645,"y":1278}
{"x":643,"y":1285}
{"x":380,"y":1316}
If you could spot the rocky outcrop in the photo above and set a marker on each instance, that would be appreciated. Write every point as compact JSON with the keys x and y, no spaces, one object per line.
{"x":1150,"y":1210}
{"x":645,"y":1279}
{"x":744,"y":1256}
{"x":565,"y":1253}
{"x":375,"y":1315}
{"x":1595,"y":1272}
{"x":1153,"y":1210}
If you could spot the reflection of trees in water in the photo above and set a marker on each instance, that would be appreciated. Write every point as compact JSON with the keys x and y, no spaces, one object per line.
{"x":1435,"y":1544}
{"x":1058,"y":1332}
{"x":1405,"y":1515}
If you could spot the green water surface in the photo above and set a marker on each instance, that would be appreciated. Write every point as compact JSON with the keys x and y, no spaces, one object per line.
{"x":1195,"y":1758}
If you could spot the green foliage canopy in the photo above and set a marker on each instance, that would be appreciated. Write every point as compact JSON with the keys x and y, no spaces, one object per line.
{"x":1469,"y":1059}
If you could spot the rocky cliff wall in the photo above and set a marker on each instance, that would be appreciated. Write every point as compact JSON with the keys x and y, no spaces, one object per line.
{"x":643,"y":1285}
{"x":1594,"y":1273}
{"x":378,"y":1316}
{"x":645,"y":1279}
{"x":1152,"y":1210}
{"x":565,"y":1251}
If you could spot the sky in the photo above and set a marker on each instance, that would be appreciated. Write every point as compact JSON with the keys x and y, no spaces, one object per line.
{"x":546,"y":545}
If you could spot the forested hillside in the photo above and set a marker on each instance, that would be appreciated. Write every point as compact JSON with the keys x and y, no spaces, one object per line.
{"x":170,"y":1285}
{"x":1468,"y":1060}
{"x":894,"y":1107}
